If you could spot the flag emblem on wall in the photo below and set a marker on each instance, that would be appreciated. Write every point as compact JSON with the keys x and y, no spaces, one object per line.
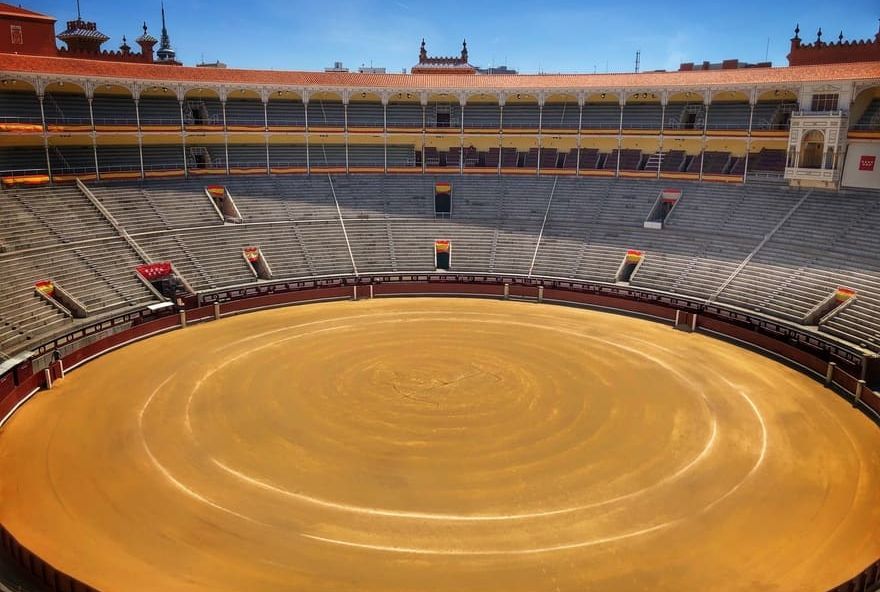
{"x":154,"y":271}
{"x":441,"y":246}
{"x":866,"y":162}
{"x":633,"y":256}
{"x":45,"y":287}
{"x":216,"y":190}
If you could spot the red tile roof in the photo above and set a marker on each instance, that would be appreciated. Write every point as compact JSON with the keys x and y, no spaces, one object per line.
{"x":18,"y":11}
{"x":64,"y":66}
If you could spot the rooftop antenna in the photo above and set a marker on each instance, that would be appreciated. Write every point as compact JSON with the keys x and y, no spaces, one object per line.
{"x":638,"y":59}
{"x":78,"y":17}
{"x":767,"y":50}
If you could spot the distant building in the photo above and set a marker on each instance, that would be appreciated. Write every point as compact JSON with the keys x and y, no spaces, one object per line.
{"x":32,"y":33}
{"x":821,"y":52}
{"x":371,"y":70}
{"x":336,"y":67}
{"x":217,"y":64}
{"x":497,"y":70}
{"x":443,"y":65}
{"x":725,"y":65}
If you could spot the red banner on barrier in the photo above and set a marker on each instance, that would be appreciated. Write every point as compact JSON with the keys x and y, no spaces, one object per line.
{"x":633,"y":256}
{"x":441,"y":246}
{"x":867,"y":162}
{"x":442,"y":187}
{"x":155,"y":271}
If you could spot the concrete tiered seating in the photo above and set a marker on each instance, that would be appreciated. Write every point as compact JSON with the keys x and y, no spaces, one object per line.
{"x":156,"y":205}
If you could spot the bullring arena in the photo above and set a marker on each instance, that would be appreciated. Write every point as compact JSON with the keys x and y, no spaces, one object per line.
{"x":379,"y":445}
{"x":450,"y":329}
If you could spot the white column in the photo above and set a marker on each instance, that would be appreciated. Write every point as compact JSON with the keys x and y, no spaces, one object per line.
{"x":140,"y":135}
{"x":94,"y":139}
{"x":45,"y":138}
{"x":305,"y":100}
{"x":266,"y":131}
{"x":620,"y":134}
{"x":577,"y":169}
{"x":225,"y":134}
{"x":183,"y":138}
{"x":705,"y":132}
{"x":345,"y":130}
{"x":749,"y":141}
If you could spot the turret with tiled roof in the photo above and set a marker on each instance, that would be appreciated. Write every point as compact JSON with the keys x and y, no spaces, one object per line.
{"x":82,"y":36}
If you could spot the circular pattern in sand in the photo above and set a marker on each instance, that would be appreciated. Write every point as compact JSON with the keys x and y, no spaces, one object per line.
{"x":441,"y":445}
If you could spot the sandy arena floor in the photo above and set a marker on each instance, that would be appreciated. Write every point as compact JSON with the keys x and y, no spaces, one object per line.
{"x":442,"y":444}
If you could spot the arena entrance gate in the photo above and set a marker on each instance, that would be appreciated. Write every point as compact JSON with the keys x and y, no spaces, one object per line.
{"x":442,"y":255}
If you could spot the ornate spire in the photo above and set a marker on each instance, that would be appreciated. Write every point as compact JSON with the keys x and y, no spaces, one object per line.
{"x":464,"y":51}
{"x":124,"y":48}
{"x":165,"y":53}
{"x":797,"y":31}
{"x":840,"y":37}
{"x":819,"y":36}
{"x":423,"y":53}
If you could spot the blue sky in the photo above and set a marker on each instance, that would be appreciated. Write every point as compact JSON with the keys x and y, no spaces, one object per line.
{"x":531,"y":36}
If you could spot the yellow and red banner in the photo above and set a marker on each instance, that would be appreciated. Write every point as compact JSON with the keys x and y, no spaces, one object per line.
{"x":45,"y":287}
{"x":842,"y":294}
{"x":442,"y":187}
{"x":155,"y":271}
{"x":252,"y":254}
{"x":441,"y":246}
{"x":633,"y":256}
{"x":216,"y":190}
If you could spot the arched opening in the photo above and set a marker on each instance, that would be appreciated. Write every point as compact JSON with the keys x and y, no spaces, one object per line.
{"x":685,"y":111}
{"x":521,"y":113}
{"x":244,"y":110}
{"x":865,"y":111}
{"x":202,"y":109}
{"x":561,"y":112}
{"x":405,"y":111}
{"x":113,"y":107}
{"x":66,"y":106}
{"x":19,"y":106}
{"x":286,"y":111}
{"x":642,"y":111}
{"x":773,"y":110}
{"x":812,"y":149}
{"x":159,"y":109}
{"x":326,"y":111}
{"x":482,"y":112}
{"x":365,"y":111}
{"x":443,"y":112}
{"x":601,"y":112}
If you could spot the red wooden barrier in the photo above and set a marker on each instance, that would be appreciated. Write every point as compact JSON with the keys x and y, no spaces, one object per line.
{"x":19,"y":383}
